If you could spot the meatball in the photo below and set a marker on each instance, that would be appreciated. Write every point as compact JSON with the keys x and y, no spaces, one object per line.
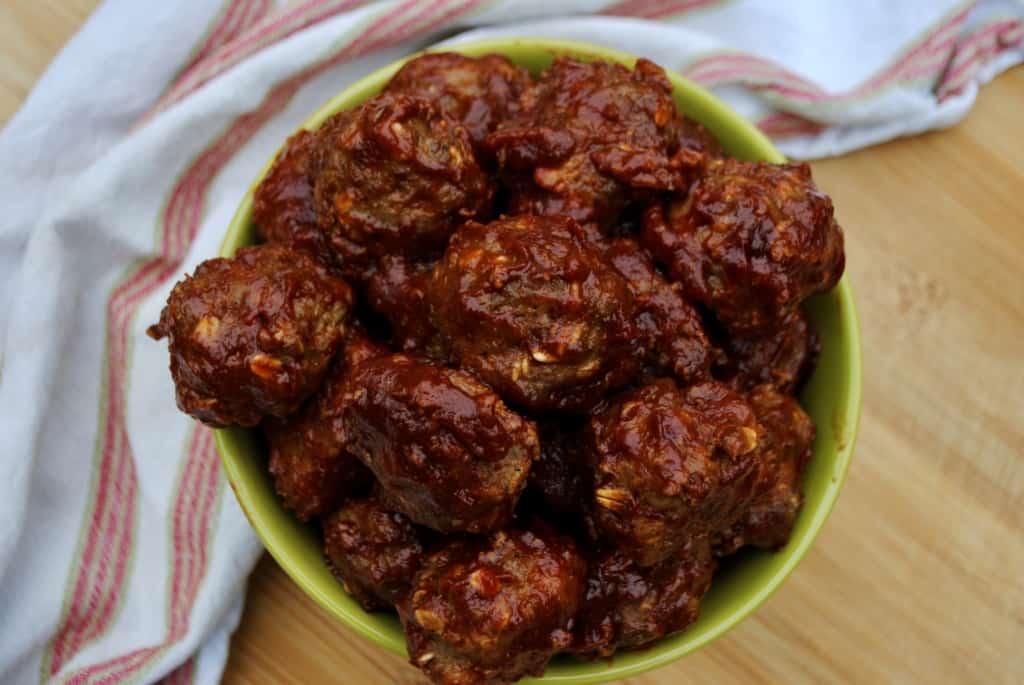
{"x":557,"y":476}
{"x":448,"y":451}
{"x":398,"y":292}
{"x":783,"y":357}
{"x":671,"y":328}
{"x":312,"y":472}
{"x":750,"y":241}
{"x":373,"y":552}
{"x":627,"y":606}
{"x":252,"y":336}
{"x":477,"y":92}
{"x":592,"y":137}
{"x":282,"y":206}
{"x":694,"y":136}
{"x":527,"y":305}
{"x":394,"y":176}
{"x":784,"y":452}
{"x":669,"y":464}
{"x":489,"y":611}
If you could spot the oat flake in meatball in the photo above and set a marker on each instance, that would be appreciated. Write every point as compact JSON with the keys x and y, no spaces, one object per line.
{"x":252,"y":336}
{"x":668,"y":464}
{"x":394,"y":175}
{"x":627,"y":606}
{"x":592,"y":137}
{"x":311,"y":470}
{"x":488,"y":611}
{"x":478,"y":92}
{"x":750,"y":241}
{"x":447,"y":450}
{"x":784,"y":452}
{"x":527,"y":305}
{"x":375,"y":553}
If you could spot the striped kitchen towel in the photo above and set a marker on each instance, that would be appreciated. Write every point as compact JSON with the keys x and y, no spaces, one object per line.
{"x":123,"y":558}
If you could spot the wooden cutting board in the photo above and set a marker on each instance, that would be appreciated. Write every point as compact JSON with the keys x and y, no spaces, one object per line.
{"x":919,"y":575}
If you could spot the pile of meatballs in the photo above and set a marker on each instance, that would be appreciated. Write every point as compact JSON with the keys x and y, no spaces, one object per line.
{"x":525,"y":349}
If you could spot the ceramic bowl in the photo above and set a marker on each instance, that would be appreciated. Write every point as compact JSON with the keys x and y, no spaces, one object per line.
{"x":832,"y":397}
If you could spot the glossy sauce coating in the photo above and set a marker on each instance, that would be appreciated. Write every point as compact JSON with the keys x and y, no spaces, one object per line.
{"x":695,"y":136}
{"x":477,"y":92}
{"x":627,"y":606}
{"x":487,"y":611}
{"x":374,"y":552}
{"x":782,"y":357}
{"x":448,"y":451}
{"x":527,"y":305}
{"x":668,"y":464}
{"x":252,"y":336}
{"x":783,"y":454}
{"x":283,"y":208}
{"x":631,"y":264}
{"x":312,"y":472}
{"x":394,"y":176}
{"x":590,"y":138}
{"x":750,"y":241}
{"x":398,"y":292}
{"x":672,"y":331}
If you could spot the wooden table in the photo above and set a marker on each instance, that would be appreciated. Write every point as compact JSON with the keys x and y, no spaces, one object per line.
{"x":919,"y":575}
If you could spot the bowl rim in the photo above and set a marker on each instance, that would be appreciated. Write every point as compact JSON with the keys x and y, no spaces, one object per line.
{"x":659,"y":653}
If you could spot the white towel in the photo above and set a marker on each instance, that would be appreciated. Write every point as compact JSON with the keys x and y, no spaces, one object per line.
{"x":123,"y":557}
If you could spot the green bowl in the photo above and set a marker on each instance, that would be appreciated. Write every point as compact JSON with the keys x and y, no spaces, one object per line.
{"x":832,"y":397}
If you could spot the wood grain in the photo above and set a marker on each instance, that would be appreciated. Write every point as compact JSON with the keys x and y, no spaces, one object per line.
{"x":919,"y":575}
{"x":31,"y":33}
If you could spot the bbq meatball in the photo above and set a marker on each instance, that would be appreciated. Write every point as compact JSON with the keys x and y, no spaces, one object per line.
{"x":447,"y":450}
{"x":627,"y":606}
{"x":750,"y":241}
{"x":477,"y":92}
{"x":398,"y":292}
{"x":783,"y":357}
{"x":784,"y":452}
{"x":671,"y":328}
{"x":669,"y":464}
{"x":282,"y":205}
{"x":252,"y":336}
{"x":393,"y":176}
{"x":312,"y":472}
{"x":530,"y":308}
{"x":694,"y":136}
{"x":558,"y":476}
{"x":489,"y":611}
{"x":374,"y":553}
{"x":590,"y":138}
